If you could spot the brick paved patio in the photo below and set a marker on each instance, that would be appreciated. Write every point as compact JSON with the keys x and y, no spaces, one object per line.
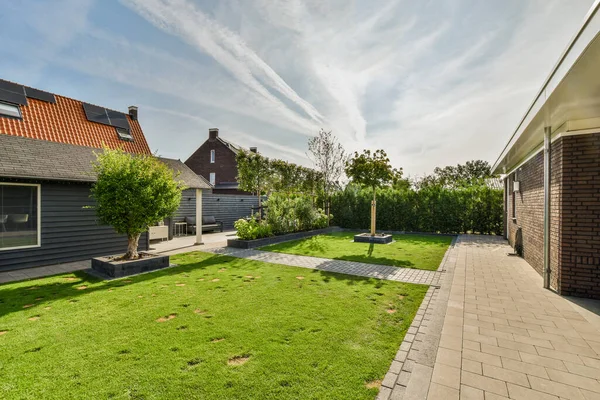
{"x":500,"y":335}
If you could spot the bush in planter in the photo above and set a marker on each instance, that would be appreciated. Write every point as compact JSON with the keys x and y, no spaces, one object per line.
{"x":252,"y":229}
{"x":132,"y":193}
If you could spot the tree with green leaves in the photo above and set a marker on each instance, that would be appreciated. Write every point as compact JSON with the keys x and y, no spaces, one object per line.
{"x":329,"y":158}
{"x":254,"y":173}
{"x":461,"y":175}
{"x":132,"y":193}
{"x":372,"y":170}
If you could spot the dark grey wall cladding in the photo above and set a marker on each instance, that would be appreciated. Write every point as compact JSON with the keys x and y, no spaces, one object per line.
{"x":224,"y":207}
{"x":69,"y":232}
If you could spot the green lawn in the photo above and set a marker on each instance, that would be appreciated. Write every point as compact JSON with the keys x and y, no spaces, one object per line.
{"x":408,"y":251}
{"x":213,"y":328}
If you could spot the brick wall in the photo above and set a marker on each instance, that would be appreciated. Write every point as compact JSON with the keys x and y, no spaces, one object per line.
{"x":580,"y":257}
{"x":528,"y":213}
{"x":224,"y":167}
{"x":575,"y":214}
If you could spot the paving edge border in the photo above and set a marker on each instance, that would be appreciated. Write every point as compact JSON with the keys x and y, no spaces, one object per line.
{"x":396,"y":380}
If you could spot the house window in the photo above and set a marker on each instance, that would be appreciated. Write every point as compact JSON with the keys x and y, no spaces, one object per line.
{"x":212,"y":156}
{"x":124,"y":134}
{"x":10,"y":110}
{"x":19,"y":216}
{"x":212,"y":178}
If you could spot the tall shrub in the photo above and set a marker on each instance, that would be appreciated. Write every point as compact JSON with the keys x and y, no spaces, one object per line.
{"x":133,"y":193}
{"x":476,"y":208}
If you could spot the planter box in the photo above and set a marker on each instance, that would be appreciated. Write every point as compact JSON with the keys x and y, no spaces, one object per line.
{"x":378,"y":238}
{"x":117,"y":269}
{"x":250,"y":244}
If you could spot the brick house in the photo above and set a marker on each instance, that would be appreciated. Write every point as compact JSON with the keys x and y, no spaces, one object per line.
{"x":215,"y":161}
{"x":47,"y":145}
{"x":551,"y":167}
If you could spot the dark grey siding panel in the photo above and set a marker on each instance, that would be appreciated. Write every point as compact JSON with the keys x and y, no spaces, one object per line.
{"x":69,"y":231}
{"x":226,"y":208}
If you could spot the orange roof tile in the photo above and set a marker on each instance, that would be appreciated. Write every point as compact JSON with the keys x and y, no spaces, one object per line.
{"x":65,"y":122}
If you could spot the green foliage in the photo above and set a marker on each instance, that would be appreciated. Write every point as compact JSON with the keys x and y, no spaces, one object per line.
{"x":293,"y":213}
{"x":285,"y":214}
{"x":252,"y":229}
{"x":471,"y":173}
{"x":254,"y":172}
{"x":476,"y":208}
{"x":133,"y":193}
{"x":329,"y":158}
{"x":371,"y":169}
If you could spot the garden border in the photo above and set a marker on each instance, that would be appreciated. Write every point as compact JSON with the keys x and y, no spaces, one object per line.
{"x":250,"y":244}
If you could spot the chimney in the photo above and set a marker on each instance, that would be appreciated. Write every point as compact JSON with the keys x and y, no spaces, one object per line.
{"x":133,"y":112}
{"x":253,"y":150}
{"x":213,"y":133}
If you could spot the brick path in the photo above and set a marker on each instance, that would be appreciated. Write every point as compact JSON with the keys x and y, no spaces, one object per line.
{"x":492,"y":332}
{"x":407,"y":275}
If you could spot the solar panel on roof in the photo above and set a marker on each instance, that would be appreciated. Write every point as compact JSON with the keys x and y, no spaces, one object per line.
{"x":40,"y":95}
{"x":118,"y":119}
{"x":11,"y":87}
{"x":95,"y":114}
{"x":12,"y":97}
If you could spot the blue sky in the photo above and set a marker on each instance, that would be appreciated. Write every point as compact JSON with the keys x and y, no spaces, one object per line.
{"x":432,"y":82}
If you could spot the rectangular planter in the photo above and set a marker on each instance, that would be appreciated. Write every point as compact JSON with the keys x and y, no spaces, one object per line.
{"x":250,"y":244}
{"x":118,"y":269}
{"x":367,"y":238}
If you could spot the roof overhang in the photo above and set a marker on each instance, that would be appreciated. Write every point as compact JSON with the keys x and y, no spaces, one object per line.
{"x":568,"y":102}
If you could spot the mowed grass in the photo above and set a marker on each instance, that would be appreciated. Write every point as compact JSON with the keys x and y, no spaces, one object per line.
{"x":408,"y":251}
{"x":213,"y":328}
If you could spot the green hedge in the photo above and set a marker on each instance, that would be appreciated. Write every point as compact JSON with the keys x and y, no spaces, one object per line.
{"x":475,"y":209}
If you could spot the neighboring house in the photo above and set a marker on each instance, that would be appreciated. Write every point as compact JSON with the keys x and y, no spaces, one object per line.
{"x":551,"y":167}
{"x":47,"y":145}
{"x":215,"y":161}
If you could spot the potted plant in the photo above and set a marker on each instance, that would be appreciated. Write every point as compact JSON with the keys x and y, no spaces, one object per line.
{"x":132,"y":193}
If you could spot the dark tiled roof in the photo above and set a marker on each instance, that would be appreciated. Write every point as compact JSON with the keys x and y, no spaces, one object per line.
{"x":188,"y":176}
{"x":40,"y":159}
{"x":65,"y":122}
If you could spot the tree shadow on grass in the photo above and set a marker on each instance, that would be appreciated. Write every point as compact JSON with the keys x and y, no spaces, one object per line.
{"x":368,"y":259}
{"x":30,"y":297}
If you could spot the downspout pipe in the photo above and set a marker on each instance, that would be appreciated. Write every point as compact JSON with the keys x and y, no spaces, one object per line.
{"x":547,"y":182}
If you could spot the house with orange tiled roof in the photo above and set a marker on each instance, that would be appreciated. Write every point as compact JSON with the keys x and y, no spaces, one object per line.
{"x":47,"y":145}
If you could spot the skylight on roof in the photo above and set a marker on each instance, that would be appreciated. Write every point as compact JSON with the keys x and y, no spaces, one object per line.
{"x":10,"y":110}
{"x":124,"y":134}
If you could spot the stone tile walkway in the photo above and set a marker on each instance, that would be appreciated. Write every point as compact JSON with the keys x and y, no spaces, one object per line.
{"x":387,"y":272}
{"x":500,"y":335}
{"x":38,"y":272}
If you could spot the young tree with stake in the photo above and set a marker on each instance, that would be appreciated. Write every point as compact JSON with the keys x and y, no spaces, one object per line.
{"x":371,"y":170}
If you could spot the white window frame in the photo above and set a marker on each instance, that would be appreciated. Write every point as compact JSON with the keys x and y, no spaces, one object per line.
{"x":212,"y":156}
{"x":39,"y":215}
{"x":16,"y":106}
{"x":212,"y":178}
{"x":124,"y":134}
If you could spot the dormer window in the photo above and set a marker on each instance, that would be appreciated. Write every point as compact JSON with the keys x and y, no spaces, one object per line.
{"x":10,"y":110}
{"x":124,"y":134}
{"x":212,"y":156}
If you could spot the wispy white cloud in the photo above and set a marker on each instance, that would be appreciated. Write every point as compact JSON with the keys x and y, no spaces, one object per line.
{"x":182,"y":18}
{"x":432,"y":83}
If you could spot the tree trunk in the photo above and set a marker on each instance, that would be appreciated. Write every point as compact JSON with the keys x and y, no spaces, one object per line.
{"x":373,"y":214}
{"x":132,"y":245}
